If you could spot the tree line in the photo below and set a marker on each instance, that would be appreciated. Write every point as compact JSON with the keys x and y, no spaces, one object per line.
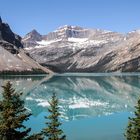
{"x":24,"y":72}
{"x":13,"y":114}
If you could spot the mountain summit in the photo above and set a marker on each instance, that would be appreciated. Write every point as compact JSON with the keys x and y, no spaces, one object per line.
{"x":33,"y":35}
{"x":0,"y":20}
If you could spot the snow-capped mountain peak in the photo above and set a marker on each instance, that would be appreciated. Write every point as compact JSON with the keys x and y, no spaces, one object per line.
{"x":74,"y":35}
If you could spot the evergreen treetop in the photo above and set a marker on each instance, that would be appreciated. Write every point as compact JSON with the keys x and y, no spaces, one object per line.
{"x":12,"y":115}
{"x":133,"y":128}
{"x":53,"y":132}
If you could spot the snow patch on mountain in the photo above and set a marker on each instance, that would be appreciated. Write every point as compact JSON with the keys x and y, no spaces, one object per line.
{"x":46,"y":42}
{"x":72,"y":39}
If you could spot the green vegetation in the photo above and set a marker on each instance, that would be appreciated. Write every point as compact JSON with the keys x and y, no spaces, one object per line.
{"x":133,"y":128}
{"x":26,"y":72}
{"x":53,"y":132}
{"x":13,"y":114}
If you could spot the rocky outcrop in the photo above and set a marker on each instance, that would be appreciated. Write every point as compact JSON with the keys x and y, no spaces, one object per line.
{"x":7,"y":35}
{"x":76,"y":49}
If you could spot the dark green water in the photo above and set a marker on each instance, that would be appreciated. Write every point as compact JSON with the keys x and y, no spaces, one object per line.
{"x":92,"y":106}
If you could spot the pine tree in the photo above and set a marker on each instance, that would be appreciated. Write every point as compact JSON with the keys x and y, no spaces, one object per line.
{"x":12,"y":115}
{"x":36,"y":137}
{"x":133,"y":128}
{"x":53,"y":132}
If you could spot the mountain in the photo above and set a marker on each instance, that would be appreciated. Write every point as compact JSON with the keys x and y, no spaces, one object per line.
{"x":12,"y":56}
{"x":77,"y":49}
{"x":31,"y":38}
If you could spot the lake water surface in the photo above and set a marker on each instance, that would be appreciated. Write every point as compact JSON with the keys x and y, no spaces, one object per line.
{"x":92,"y":106}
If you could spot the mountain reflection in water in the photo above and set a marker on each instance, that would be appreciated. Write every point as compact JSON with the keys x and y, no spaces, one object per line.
{"x":79,"y":96}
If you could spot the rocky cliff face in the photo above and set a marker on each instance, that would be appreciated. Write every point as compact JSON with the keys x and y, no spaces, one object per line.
{"x":12,"y":55}
{"x":76,"y":49}
{"x":7,"y":35}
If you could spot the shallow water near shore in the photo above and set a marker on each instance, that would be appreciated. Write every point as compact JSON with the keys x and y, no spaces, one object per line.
{"x":93,"y":105}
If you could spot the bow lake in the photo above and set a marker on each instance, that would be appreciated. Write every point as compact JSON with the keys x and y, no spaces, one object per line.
{"x":92,"y":106}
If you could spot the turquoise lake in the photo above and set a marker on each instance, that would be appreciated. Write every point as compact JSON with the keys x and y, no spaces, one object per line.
{"x":92,"y":106}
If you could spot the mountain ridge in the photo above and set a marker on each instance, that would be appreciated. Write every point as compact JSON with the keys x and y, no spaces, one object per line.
{"x":13,"y":59}
{"x":70,"y":49}
{"x":77,"y":49}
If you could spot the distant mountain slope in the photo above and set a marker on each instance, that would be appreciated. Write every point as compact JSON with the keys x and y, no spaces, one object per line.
{"x":12,"y":55}
{"x":77,"y":49}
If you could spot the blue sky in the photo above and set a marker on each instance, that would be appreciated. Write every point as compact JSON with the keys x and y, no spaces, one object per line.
{"x":47,"y":15}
